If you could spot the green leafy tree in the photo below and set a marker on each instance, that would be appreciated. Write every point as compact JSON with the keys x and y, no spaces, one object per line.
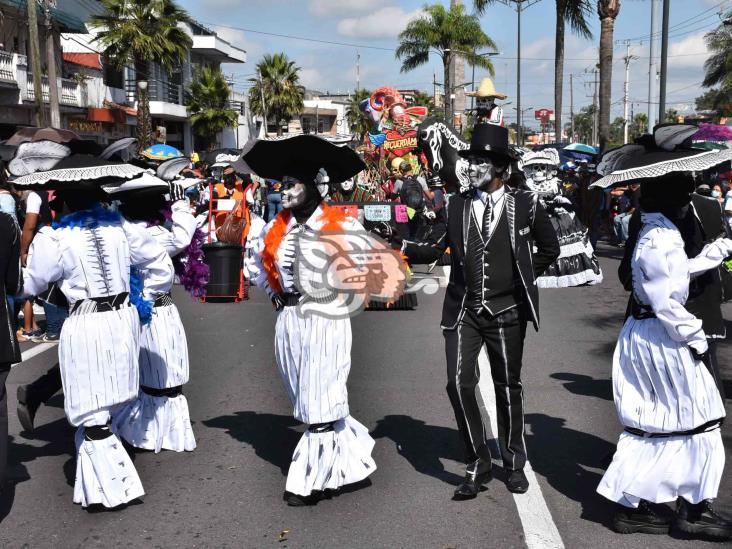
{"x":357,"y":121}
{"x":448,"y":33}
{"x":208,"y":104}
{"x":278,"y":83}
{"x":672,"y":115}
{"x":718,"y":100}
{"x":638,"y":126}
{"x":718,"y":67}
{"x":607,"y":10}
{"x":583,"y":121}
{"x":134,"y":32}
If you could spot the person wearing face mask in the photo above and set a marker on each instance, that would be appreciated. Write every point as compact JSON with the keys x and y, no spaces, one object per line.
{"x":313,"y":351}
{"x":492,"y":232}
{"x":671,"y":449}
{"x":348,"y":191}
{"x":229,"y":189}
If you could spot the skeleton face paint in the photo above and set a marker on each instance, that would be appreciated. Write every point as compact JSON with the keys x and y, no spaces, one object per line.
{"x":294,"y":196}
{"x":347,"y":185}
{"x":481,"y":171}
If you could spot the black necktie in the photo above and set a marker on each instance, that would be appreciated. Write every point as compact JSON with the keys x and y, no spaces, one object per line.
{"x":487,"y":217}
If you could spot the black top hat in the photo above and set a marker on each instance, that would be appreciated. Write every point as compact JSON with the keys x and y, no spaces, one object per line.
{"x":489,"y":140}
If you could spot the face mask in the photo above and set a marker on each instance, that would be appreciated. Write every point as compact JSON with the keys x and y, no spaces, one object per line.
{"x":716,"y":194}
{"x":347,"y":185}
{"x":481,"y":172}
{"x":294,"y":196}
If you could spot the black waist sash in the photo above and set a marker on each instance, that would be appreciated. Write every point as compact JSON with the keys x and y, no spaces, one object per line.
{"x":639,"y":310}
{"x":169,"y":392}
{"x":101,"y":304}
{"x":708,"y":426}
{"x":165,"y":300}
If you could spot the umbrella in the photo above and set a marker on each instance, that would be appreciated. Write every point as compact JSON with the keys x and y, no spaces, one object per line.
{"x":581,"y":148}
{"x":709,"y":145}
{"x":161,"y":152}
{"x":301,"y":156}
{"x":170,"y":169}
{"x":222,"y":156}
{"x":77,"y":171}
{"x":145,"y":185}
{"x":123,"y":148}
{"x":41,"y":134}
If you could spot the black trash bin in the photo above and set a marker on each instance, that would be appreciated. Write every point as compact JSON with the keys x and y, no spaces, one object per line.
{"x":224,"y":260}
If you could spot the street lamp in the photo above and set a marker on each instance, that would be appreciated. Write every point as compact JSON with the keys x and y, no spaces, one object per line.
{"x":144,"y":124}
{"x":472,"y":87}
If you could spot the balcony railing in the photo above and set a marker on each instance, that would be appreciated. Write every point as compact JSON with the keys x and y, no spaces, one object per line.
{"x":7,"y":66}
{"x":71,"y":93}
{"x":157,"y":90}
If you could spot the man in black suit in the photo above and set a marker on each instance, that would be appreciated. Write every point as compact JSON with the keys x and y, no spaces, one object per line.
{"x":699,"y":223}
{"x":11,"y":283}
{"x":491,"y":295}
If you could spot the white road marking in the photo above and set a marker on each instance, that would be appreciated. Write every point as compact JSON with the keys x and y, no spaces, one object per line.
{"x":35,"y":351}
{"x":540,"y":531}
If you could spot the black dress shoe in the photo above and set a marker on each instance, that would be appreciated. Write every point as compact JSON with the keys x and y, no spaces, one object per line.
{"x":296,"y":500}
{"x":702,"y":520}
{"x":26,"y":410}
{"x":477,"y":474}
{"x":643,"y":520}
{"x":516,"y":481}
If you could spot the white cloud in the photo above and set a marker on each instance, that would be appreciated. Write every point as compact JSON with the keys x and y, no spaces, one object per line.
{"x":683,"y":54}
{"x":340,"y":8}
{"x":312,"y":78}
{"x":386,"y":23}
{"x":239,"y":39}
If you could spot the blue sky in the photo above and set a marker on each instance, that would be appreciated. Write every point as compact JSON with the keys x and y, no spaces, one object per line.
{"x":376,"y":23}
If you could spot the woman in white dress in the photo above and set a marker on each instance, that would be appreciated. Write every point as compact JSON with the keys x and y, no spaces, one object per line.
{"x":89,"y":254}
{"x":159,"y":417}
{"x":671,"y":449}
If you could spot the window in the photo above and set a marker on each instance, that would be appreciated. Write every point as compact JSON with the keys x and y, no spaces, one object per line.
{"x":113,"y":77}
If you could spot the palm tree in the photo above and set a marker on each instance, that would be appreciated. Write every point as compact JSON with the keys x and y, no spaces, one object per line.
{"x":574,"y":13}
{"x":207,"y":99}
{"x":717,"y":66}
{"x":135,"y":32}
{"x":607,"y":10}
{"x":447,"y":33}
{"x":357,"y":121}
{"x":278,"y":83}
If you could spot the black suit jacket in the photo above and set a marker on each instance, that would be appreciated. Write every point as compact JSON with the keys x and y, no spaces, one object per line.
{"x":11,"y":283}
{"x":705,"y":291}
{"x":529,"y":225}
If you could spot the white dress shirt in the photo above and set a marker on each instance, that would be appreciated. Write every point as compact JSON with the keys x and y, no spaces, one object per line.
{"x":480,"y":200}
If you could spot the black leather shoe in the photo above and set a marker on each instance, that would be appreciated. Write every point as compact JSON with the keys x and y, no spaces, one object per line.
{"x":477,"y":473}
{"x":702,"y":520}
{"x":26,"y":410}
{"x":516,"y":481}
{"x":643,"y":520}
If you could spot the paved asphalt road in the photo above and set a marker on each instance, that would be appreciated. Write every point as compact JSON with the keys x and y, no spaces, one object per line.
{"x":228,"y":492}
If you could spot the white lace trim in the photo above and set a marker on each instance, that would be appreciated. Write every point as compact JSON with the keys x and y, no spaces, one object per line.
{"x":125,"y":171}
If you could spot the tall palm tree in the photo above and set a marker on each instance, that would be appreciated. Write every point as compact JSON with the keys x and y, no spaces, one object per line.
{"x":357,"y":121}
{"x":718,"y":67}
{"x":447,"y":33}
{"x":278,"y":83}
{"x":135,"y":32}
{"x":574,"y":13}
{"x":208,"y":104}
{"x":607,"y":10}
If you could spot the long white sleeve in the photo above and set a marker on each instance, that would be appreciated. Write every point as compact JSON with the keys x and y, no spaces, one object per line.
{"x":184,"y":226}
{"x":253,"y":259}
{"x":44,"y":264}
{"x":665,"y":282}
{"x":148,"y":255}
{"x":710,"y":257}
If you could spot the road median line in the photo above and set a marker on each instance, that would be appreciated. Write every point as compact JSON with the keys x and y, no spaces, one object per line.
{"x":34,"y":351}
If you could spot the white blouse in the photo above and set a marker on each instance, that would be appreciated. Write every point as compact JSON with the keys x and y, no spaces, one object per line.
{"x":179,"y":236}
{"x":661,"y":274}
{"x":96,"y":262}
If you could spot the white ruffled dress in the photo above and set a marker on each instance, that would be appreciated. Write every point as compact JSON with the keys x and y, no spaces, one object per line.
{"x":658,"y":385}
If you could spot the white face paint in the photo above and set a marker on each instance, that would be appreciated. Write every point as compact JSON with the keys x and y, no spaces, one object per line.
{"x":294,"y":196}
{"x":347,"y":185}
{"x":481,"y":172}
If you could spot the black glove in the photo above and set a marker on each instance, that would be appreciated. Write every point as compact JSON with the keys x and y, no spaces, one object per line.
{"x":277,"y":302}
{"x":699,"y":356}
{"x":396,"y":241}
{"x":176,"y":191}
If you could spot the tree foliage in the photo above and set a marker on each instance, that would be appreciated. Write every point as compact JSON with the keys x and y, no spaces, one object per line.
{"x":278,"y":82}
{"x":446,"y":33}
{"x":208,"y":104}
{"x":718,"y":67}
{"x":357,"y":121}
{"x":133,"y":32}
{"x":718,"y":100}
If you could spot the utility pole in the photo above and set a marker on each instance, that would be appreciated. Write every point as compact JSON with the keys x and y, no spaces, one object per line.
{"x":571,"y":108}
{"x":626,"y":90}
{"x":652,"y":66}
{"x":595,"y":114}
{"x":35,"y":55}
{"x":664,"y":63}
{"x":358,"y":70}
{"x":51,"y":63}
{"x":264,"y":105}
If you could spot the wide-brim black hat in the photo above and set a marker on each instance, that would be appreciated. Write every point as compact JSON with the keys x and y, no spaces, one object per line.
{"x":77,"y":172}
{"x":489,"y":140}
{"x":301,"y":156}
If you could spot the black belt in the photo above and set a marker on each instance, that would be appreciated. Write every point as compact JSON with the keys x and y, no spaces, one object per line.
{"x":708,"y":426}
{"x":169,"y":392}
{"x":291,"y":300}
{"x":101,"y":304}
{"x":165,"y":300}
{"x":640,"y":311}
